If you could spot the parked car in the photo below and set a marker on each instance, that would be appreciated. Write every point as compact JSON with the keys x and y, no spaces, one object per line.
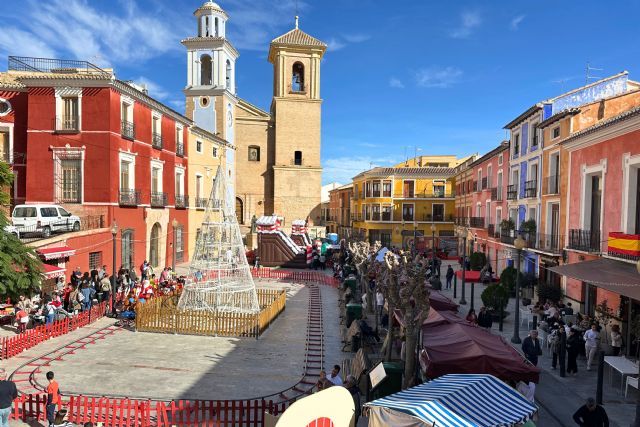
{"x":12,"y":230}
{"x":44,"y":219}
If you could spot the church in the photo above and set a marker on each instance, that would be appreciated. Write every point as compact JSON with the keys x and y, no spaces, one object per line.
{"x":273,"y":158}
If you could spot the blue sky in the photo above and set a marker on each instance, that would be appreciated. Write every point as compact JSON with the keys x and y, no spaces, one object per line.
{"x":440,"y":76}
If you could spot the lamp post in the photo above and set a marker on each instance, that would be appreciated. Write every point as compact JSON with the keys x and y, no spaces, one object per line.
{"x":114,"y":231}
{"x":636,"y":423}
{"x":519,"y":244}
{"x":463,"y":234}
{"x":433,"y":249}
{"x":175,"y":224}
{"x":415,"y":236}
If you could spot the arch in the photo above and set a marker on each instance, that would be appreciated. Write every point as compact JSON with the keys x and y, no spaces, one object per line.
{"x":217,"y":32}
{"x":228,"y":75}
{"x":126,"y":249}
{"x":239,"y":210}
{"x":206,"y":26}
{"x":297,"y":77}
{"x":154,"y":245}
{"x":206,"y":68}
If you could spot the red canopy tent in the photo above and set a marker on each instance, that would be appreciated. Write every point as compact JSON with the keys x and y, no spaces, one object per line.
{"x":441,"y":302}
{"x":471,"y":276}
{"x":451,"y":345}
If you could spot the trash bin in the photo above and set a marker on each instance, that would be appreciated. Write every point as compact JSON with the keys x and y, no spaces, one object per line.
{"x":392,"y":383}
{"x":350,"y":282}
{"x":354,"y":311}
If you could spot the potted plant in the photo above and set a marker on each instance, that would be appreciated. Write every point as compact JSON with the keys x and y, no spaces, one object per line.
{"x":508,"y":280}
{"x":495,"y":298}
{"x":507,"y":225}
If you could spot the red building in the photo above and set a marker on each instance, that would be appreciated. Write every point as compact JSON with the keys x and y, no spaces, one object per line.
{"x":105,"y":151}
{"x":486,"y":203}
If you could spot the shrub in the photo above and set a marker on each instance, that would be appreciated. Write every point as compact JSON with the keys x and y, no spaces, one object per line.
{"x":549,"y":292}
{"x":477,"y":261}
{"x":528,"y":226}
{"x":507,"y":224}
{"x":508,"y":279}
{"x":495,"y":297}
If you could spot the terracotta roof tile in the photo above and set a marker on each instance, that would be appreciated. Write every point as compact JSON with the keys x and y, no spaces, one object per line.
{"x":298,"y":37}
{"x":434,"y":172}
{"x":8,"y":81}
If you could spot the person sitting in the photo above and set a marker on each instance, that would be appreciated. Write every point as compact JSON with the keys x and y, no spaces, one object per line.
{"x":471,"y":317}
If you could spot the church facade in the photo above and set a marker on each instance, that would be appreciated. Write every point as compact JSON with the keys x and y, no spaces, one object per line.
{"x":273,"y":158}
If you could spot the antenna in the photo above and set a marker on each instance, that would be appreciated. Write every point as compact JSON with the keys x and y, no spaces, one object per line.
{"x":588,"y":75}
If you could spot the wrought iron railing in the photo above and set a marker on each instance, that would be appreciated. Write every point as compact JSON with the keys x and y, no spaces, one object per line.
{"x":50,"y":65}
{"x":129,"y":197}
{"x":180,"y":149}
{"x":182,"y":201}
{"x":68,"y":123}
{"x":531,"y":188}
{"x":158,"y":200}
{"x":512,"y":192}
{"x":476,"y":222}
{"x":551,"y":184}
{"x":201,"y":202}
{"x":585,"y":240}
{"x":127,"y":130}
{"x":157,"y":141}
{"x":491,"y":230}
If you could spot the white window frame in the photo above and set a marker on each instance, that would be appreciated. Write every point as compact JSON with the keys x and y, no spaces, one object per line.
{"x":444,"y":211}
{"x":487,"y":213}
{"x":500,"y":160}
{"x":414,"y":210}
{"x":130,"y":158}
{"x":180,"y":174}
{"x":535,"y":213}
{"x":201,"y":145}
{"x":549,"y":213}
{"x":8,"y":127}
{"x":68,"y":92}
{"x":478,"y":210}
{"x":199,"y":188}
{"x":158,"y":116}
{"x":534,"y":125}
{"x":56,"y":152}
{"x":498,"y":211}
{"x":553,"y":130}
{"x":179,"y":134}
{"x":414,"y":189}
{"x":589,"y":171}
{"x":513,"y":144}
{"x":630,"y":167}
{"x":130,"y":103}
{"x":156,"y":164}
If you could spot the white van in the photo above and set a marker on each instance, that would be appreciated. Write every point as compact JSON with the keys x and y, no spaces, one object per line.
{"x":43,"y":219}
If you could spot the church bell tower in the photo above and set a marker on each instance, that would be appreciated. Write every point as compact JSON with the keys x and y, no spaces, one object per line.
{"x":211,"y":87}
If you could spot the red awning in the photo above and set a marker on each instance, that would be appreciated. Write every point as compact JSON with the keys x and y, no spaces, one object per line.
{"x":52,"y":271}
{"x":473,"y":276}
{"x":441,"y":302}
{"x":56,"y":253}
{"x":454,"y":346}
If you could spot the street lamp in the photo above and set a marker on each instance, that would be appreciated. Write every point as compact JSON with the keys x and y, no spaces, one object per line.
{"x":637,"y":421}
{"x":433,"y":249}
{"x":519,"y":244}
{"x":175,"y":224}
{"x":415,"y":236}
{"x":463,"y":234}
{"x":114,"y":231}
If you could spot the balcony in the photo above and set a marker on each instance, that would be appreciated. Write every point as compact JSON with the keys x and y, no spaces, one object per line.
{"x":496,"y":194}
{"x":485,"y":183}
{"x":67,"y":124}
{"x":129,"y":197}
{"x":439,"y":218}
{"x":584,"y":240}
{"x":127,"y":130}
{"x":180,"y":149}
{"x":476,"y":222}
{"x":553,"y":243}
{"x":624,"y":246}
{"x":157,"y":141}
{"x":475,"y":186}
{"x":507,"y":236}
{"x":158,"y":200}
{"x":491,"y":230}
{"x":201,"y":202}
{"x":375,"y":216}
{"x":182,"y":201}
{"x":531,"y":188}
{"x":512,"y":192}
{"x":386,"y":216}
{"x":551,"y":185}
{"x":424,"y":195}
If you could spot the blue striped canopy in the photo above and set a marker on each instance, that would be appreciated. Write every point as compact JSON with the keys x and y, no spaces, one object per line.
{"x":462,"y":400}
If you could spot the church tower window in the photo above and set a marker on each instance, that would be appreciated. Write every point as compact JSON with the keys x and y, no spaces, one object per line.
{"x":297,"y":78}
{"x":217,"y":33}
{"x":228,"y":78}
{"x":205,"y":70}
{"x":297,"y":158}
{"x":206,"y":26}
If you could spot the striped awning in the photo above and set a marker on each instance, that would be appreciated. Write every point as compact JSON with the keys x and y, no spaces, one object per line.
{"x":462,"y":400}
{"x":56,"y":252}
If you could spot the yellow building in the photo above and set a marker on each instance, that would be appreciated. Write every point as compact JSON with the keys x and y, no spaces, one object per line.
{"x":207,"y":152}
{"x":394,"y":204}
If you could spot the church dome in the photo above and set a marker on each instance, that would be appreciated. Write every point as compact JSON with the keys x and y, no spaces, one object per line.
{"x":209,"y":6}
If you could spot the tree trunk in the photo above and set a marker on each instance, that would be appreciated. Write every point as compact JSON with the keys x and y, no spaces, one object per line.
{"x":409,"y":354}
{"x":387,"y":355}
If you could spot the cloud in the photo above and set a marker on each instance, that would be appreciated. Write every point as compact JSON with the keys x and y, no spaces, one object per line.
{"x":435,"y":77}
{"x":396,"y":83}
{"x":343,"y":169}
{"x":155,"y":90}
{"x":334,"y":44}
{"x":356,"y":38}
{"x":470,"y":21}
{"x":74,"y":28}
{"x":368,"y":145}
{"x":21,"y":43}
{"x":515,"y":22}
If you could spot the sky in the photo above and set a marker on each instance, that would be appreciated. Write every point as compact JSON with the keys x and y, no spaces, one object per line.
{"x":398,"y":78}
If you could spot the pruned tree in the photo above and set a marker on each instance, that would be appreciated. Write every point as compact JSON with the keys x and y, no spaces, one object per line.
{"x":20,"y":268}
{"x":364,"y":260}
{"x":403,"y":282}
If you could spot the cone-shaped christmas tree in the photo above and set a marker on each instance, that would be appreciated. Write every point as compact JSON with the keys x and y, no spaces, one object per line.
{"x":219,"y":275}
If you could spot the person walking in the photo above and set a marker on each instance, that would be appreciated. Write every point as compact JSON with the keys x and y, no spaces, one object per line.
{"x":352,"y":386}
{"x":53,"y":398}
{"x":87,"y":296}
{"x":379,"y":302}
{"x":8,"y":393}
{"x":591,"y":415}
{"x":616,"y":340}
{"x":555,"y":339}
{"x":591,"y":344}
{"x":573,"y":349}
{"x":531,"y":347}
{"x":449,"y":276}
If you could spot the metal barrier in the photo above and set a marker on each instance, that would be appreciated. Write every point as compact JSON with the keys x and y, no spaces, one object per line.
{"x":305,"y":276}
{"x":65,"y":225}
{"x":12,"y":346}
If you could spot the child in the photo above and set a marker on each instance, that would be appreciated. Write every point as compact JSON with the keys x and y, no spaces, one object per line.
{"x":23,"y":319}
{"x":53,"y":398}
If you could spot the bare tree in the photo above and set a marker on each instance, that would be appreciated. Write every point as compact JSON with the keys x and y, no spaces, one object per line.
{"x":364,"y":260}
{"x":402,"y":281}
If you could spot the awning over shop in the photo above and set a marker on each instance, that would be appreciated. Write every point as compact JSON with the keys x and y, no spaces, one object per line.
{"x":615,"y":276}
{"x":56,"y":253}
{"x":441,"y":302}
{"x":52,"y":271}
{"x":454,"y":401}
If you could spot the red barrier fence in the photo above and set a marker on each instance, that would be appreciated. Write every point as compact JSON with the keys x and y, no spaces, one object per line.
{"x":305,"y":276}
{"x":12,"y":346}
{"x":116,"y":412}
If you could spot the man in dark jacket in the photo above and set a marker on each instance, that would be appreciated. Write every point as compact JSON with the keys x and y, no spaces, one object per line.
{"x":8,"y":392}
{"x":591,"y":415}
{"x":449,"y":276}
{"x":531,"y":347}
{"x":484,"y":318}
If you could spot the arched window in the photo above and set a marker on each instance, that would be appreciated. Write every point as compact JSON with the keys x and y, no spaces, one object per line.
{"x":154,"y":246}
{"x":206,"y":67}
{"x":206,"y":26}
{"x":216,"y":28}
{"x":228,"y":74}
{"x":297,"y":78}
{"x":239,"y":211}
{"x":126,"y":249}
